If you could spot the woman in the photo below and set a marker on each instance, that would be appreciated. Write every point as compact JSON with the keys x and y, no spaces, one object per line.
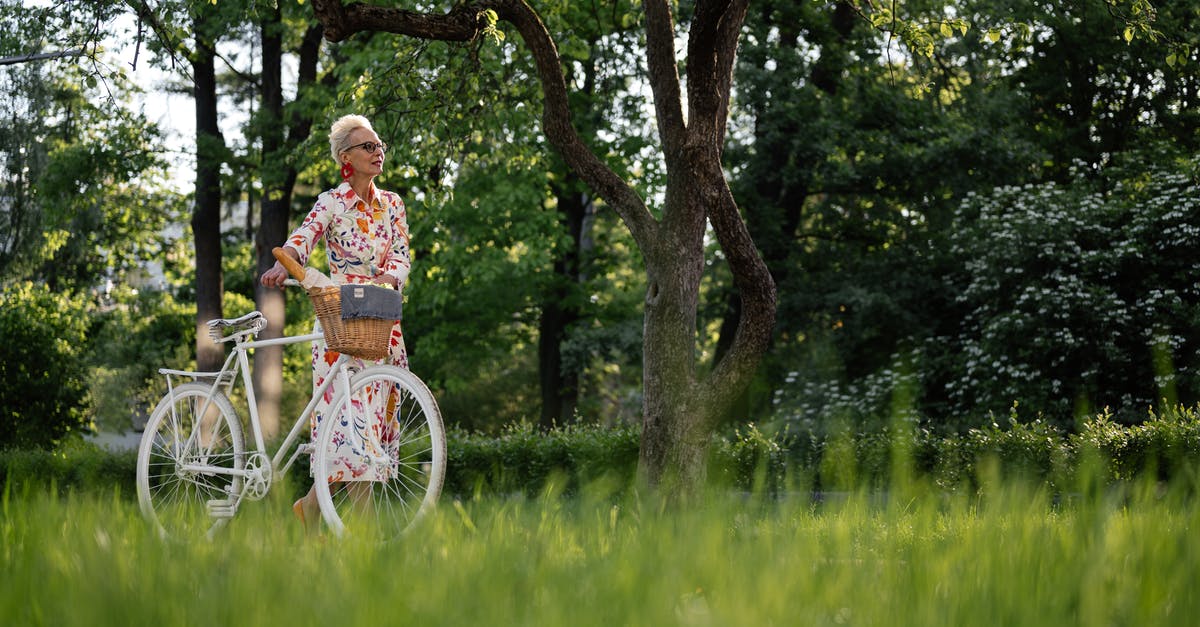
{"x":366,"y":239}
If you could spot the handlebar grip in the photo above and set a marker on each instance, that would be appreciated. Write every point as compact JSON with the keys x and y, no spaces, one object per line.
{"x":293,"y":268}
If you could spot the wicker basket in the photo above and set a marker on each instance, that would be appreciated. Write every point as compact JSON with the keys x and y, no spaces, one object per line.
{"x":365,"y":338}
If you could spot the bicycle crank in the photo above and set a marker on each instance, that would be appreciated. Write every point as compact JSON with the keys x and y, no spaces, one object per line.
{"x":258,"y":476}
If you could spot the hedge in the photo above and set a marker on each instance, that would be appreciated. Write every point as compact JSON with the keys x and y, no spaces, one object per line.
{"x":525,"y":460}
{"x":1164,"y":447}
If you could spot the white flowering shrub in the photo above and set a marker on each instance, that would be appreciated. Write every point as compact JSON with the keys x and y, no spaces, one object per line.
{"x":1064,"y":298}
{"x":813,"y":403}
{"x":1076,"y":297}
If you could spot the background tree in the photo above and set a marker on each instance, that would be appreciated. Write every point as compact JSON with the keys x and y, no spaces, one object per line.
{"x":24,"y":154}
{"x":599,"y":68}
{"x":1074,"y":297}
{"x":105,"y":204}
{"x":281,"y":128}
{"x":846,"y":169}
{"x":210,"y":154}
{"x":84,"y":195}
{"x":88,"y":203}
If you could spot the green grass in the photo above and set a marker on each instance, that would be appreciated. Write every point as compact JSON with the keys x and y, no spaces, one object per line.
{"x":1007,"y":555}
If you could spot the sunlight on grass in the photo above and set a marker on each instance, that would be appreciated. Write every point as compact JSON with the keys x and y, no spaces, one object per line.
{"x":1011,"y":556}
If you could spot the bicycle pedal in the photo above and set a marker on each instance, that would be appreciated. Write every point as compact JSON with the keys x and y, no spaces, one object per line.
{"x":222,"y":508}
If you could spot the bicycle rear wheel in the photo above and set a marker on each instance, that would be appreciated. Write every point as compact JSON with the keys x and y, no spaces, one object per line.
{"x":380,"y":455}
{"x":188,"y":441}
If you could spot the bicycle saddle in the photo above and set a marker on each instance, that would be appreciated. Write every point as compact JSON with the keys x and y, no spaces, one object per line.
{"x":248,"y":324}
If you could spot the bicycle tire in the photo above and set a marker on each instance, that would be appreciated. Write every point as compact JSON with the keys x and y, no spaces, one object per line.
{"x":410,"y":468}
{"x":179,"y":503}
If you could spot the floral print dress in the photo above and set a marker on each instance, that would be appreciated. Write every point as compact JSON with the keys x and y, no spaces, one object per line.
{"x":364,"y":241}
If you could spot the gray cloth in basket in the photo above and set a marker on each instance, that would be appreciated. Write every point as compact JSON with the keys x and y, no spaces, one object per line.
{"x":371,"y":301}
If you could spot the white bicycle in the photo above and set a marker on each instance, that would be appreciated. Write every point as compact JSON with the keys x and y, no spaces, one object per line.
{"x":194,"y":469}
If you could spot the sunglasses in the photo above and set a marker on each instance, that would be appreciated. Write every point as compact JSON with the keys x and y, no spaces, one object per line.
{"x":370,"y":146}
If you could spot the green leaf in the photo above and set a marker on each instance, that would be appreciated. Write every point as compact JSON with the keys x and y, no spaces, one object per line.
{"x":946,"y":30}
{"x":1128,"y":34}
{"x":993,"y":35}
{"x":881,"y":18}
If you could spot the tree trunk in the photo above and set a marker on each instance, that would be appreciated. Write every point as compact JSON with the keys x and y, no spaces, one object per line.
{"x":675,"y":424}
{"x":560,"y":388}
{"x":206,"y":217}
{"x":279,"y":178}
{"x":272,"y":229}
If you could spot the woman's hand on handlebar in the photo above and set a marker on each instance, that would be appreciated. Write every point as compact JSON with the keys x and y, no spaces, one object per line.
{"x":279,"y":272}
{"x":275,"y":276}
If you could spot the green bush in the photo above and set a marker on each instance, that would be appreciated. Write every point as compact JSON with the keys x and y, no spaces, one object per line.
{"x":1035,"y":451}
{"x":1078,"y":295}
{"x":139,"y":333}
{"x":43,"y":377}
{"x":1163,"y":446}
{"x":522,"y":460}
{"x":75,"y":466}
{"x":750,"y":459}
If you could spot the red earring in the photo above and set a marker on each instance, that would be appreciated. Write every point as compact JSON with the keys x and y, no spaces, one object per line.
{"x":347,"y":171}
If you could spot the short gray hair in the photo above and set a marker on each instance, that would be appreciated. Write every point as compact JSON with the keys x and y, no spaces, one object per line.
{"x":339,"y":133}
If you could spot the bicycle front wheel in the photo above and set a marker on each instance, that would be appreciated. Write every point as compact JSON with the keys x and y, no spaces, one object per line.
{"x":191,"y":443}
{"x":380,"y":456}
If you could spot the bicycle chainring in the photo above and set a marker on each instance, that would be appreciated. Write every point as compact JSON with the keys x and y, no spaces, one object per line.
{"x":258,"y":476}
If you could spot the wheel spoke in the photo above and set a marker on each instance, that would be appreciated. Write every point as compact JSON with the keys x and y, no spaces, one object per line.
{"x":175,"y":500}
{"x":409,"y":436}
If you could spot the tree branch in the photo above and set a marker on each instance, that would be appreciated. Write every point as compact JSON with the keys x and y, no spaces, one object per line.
{"x":664,"y":75}
{"x":712,"y":48}
{"x":465,"y":23}
{"x":462,"y":23}
{"x":759,"y":303}
{"x":25,"y":58}
{"x":731,"y":30}
{"x":146,"y":15}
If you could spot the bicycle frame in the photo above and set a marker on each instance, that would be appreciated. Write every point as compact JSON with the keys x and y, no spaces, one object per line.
{"x":238,"y":362}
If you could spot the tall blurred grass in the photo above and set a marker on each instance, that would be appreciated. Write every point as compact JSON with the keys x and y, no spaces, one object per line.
{"x":1008,"y":553}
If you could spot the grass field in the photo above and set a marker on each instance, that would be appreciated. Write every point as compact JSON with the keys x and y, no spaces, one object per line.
{"x":1008,"y":556}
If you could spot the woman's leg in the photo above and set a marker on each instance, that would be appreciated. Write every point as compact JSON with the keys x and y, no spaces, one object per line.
{"x":308,"y":510}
